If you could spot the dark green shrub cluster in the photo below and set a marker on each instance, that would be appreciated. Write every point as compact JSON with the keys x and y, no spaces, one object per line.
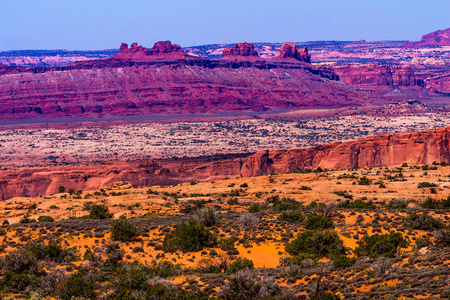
{"x":98,"y":211}
{"x":46,"y":219}
{"x":385,"y":245}
{"x":188,"y":237}
{"x":292,"y":216}
{"x":364,"y":181}
{"x":422,"y":222}
{"x":321,"y":244}
{"x":426,"y":185}
{"x":396,"y":204}
{"x":240,"y":264}
{"x":325,"y":296}
{"x":124,"y":230}
{"x":431,"y":203}
{"x":316,"y":222}
{"x":361,"y":204}
{"x":342,"y":261}
{"x":286,"y":204}
{"x":76,"y":286}
{"x":256,"y":207}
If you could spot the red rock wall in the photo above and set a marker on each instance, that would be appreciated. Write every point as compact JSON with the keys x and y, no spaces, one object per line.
{"x":383,"y":150}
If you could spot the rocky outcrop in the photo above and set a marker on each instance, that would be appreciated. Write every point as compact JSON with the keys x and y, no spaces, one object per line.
{"x":383,"y":150}
{"x":439,"y":83}
{"x":137,"y":52}
{"x":289,"y":50}
{"x":240,"y":50}
{"x":435,"y":38}
{"x":378,"y":75}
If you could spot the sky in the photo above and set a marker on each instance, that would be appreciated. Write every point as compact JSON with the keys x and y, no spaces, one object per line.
{"x":104,"y":24}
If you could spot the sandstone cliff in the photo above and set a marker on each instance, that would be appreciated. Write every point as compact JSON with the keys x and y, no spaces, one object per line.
{"x":240,"y":50}
{"x":378,"y":75}
{"x":435,"y":38}
{"x":383,"y":150}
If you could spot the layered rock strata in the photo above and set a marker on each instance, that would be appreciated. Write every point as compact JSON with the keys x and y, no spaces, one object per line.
{"x":383,"y":150}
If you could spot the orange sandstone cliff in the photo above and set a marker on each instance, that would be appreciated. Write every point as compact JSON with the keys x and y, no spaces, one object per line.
{"x":383,"y":150}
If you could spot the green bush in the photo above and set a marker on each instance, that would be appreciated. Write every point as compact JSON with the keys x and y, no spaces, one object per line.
{"x":244,"y":185}
{"x":76,"y":286}
{"x":376,"y":245}
{"x":422,"y":222}
{"x":397,"y":204}
{"x":342,"y":261}
{"x":292,"y":216}
{"x":442,"y":238}
{"x":124,"y":230}
{"x":325,"y":296}
{"x":286,"y":204}
{"x":364,"y":181}
{"x":361,"y":204}
{"x":100,"y":211}
{"x":321,"y":244}
{"x":46,"y":219}
{"x":255,"y":207}
{"x":316,"y":222}
{"x":240,"y":264}
{"x":26,"y":220}
{"x":189,"y":237}
{"x":426,"y":185}
{"x":431,"y":203}
{"x":305,"y":188}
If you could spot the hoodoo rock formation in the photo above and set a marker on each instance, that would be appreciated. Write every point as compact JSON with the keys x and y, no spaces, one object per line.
{"x":435,"y":38}
{"x":136,"y":52}
{"x":378,"y":75}
{"x":289,"y":50}
{"x":383,"y":150}
{"x":239,"y":50}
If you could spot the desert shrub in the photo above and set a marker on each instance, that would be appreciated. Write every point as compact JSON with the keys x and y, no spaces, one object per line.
{"x":325,"y":296}
{"x":361,"y":204}
{"x":51,"y":252}
{"x":431,"y":203}
{"x":364,"y":181}
{"x":244,"y":185}
{"x":305,"y":188}
{"x":26,"y":220}
{"x":50,"y":282}
{"x":342,"y":261}
{"x":293,"y":216}
{"x":191,"y":236}
{"x":422,"y":222}
{"x":286,"y":204}
{"x":99,"y":211}
{"x":61,"y":189}
{"x":321,"y":244}
{"x":396,"y":204}
{"x":207,"y":216}
{"x":423,"y":242}
{"x":248,"y":220}
{"x":256,"y":207}
{"x":376,"y":245}
{"x":344,"y":194}
{"x":46,"y":219}
{"x":233,"y":201}
{"x":214,"y":264}
{"x":124,"y":230}
{"x":240,"y":264}
{"x":76,"y":286}
{"x":114,"y":253}
{"x":442,"y":238}
{"x":245,"y":285}
{"x":273,"y":199}
{"x":316,"y":222}
{"x":426,"y":185}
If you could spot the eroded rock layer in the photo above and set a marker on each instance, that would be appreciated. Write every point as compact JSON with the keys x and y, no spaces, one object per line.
{"x":378,"y":75}
{"x":383,"y":150}
{"x":165,"y":80}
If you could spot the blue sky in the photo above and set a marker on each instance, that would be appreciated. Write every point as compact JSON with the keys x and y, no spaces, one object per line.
{"x":104,"y":24}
